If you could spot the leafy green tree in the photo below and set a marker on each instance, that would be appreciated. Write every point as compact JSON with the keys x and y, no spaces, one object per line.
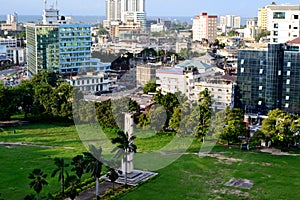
{"x":175,"y":120}
{"x":234,"y":126}
{"x":125,"y":146}
{"x":72,"y":182}
{"x":158,"y":118}
{"x":150,"y":86}
{"x":281,"y":127}
{"x":38,"y":181}
{"x":60,"y":170}
{"x":25,"y":94}
{"x":78,"y":164}
{"x":8,"y":103}
{"x":144,"y":120}
{"x":263,"y":33}
{"x":94,"y":162}
{"x":105,"y":115}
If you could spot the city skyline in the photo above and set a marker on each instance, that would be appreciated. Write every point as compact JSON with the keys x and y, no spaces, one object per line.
{"x":153,"y":7}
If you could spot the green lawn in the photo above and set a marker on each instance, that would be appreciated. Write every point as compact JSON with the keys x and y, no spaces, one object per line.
{"x":189,"y":177}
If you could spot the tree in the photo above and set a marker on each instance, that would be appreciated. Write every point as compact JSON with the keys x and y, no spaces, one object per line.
{"x":94,"y":162}
{"x":60,"y":169}
{"x":125,"y":146}
{"x":38,"y":180}
{"x":72,"y":182}
{"x":234,"y":125}
{"x":264,"y":33}
{"x":150,"y":86}
{"x":8,"y":102}
{"x":25,"y":93}
{"x":113,"y":176}
{"x":158,"y":118}
{"x":78,"y":165}
{"x":175,"y":120}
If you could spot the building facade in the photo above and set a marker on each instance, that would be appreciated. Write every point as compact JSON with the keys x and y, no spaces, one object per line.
{"x":56,"y":45}
{"x":269,"y":79}
{"x":230,"y":21}
{"x":145,"y":73}
{"x":205,"y":27}
{"x":282,"y":21}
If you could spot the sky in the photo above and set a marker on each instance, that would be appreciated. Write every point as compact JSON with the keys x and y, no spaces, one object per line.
{"x":244,"y":8}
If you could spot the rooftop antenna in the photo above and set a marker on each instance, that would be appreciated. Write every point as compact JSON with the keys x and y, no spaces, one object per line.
{"x":45,"y":4}
{"x":56,"y":4}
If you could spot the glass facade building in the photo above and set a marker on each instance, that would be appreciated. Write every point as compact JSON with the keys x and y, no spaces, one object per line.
{"x":75,"y":42}
{"x":269,"y":79}
{"x":63,"y":48}
{"x":42,"y":47}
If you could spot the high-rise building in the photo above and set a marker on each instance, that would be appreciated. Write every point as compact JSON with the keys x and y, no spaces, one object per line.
{"x":269,"y":79}
{"x":230,"y":21}
{"x":56,"y":45}
{"x":205,"y":27}
{"x":281,"y":20}
{"x":133,"y":9}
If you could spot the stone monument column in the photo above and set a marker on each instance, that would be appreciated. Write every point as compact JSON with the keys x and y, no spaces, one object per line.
{"x":127,"y":161}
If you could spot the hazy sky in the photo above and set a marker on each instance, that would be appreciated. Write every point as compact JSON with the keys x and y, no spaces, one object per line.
{"x":244,"y":8}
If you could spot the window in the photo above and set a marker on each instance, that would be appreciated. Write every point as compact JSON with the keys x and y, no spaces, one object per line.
{"x":290,"y":26}
{"x":287,"y":98}
{"x":261,"y":71}
{"x":275,"y":33}
{"x":259,"y":103}
{"x":288,"y":64}
{"x":279,"y":72}
{"x":276,"y":25}
{"x":275,"y":39}
{"x":286,"y":105}
{"x":242,"y":61}
{"x":288,"y":73}
{"x":296,"y":16}
{"x":261,"y":62}
{"x":287,"y":81}
{"x":260,"y":87}
{"x":242,"y":70}
{"x":287,"y":89}
{"x":295,"y":27}
{"x":279,"y":15}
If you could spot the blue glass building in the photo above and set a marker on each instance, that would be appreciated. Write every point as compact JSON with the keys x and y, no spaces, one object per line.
{"x":269,"y":79}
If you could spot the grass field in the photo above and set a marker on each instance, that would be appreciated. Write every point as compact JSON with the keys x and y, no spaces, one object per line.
{"x":189,"y":177}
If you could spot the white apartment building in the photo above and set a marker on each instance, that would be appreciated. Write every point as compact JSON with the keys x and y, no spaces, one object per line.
{"x":282,"y":21}
{"x":220,"y":88}
{"x":252,"y":29}
{"x":230,"y":21}
{"x":90,"y":82}
{"x":183,"y":77}
{"x":204,"y":27}
{"x":8,"y":42}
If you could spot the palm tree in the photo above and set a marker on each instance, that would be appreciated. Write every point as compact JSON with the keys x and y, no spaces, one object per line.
{"x":60,"y":169}
{"x":78,"y":165}
{"x":125,"y":146}
{"x":38,"y":180}
{"x":72,"y":182}
{"x":94,"y":162}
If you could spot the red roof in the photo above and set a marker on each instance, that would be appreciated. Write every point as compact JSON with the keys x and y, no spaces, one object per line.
{"x":294,"y":41}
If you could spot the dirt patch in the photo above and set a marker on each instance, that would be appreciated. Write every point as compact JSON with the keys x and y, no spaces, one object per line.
{"x":230,"y":191}
{"x":221,"y":158}
{"x":10,"y":145}
{"x":274,"y":151}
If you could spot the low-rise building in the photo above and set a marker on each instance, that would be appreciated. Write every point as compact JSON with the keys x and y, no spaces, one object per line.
{"x":90,"y":82}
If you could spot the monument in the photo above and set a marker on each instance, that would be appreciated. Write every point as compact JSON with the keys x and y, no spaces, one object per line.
{"x":127,"y":160}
